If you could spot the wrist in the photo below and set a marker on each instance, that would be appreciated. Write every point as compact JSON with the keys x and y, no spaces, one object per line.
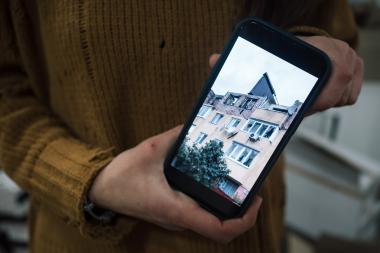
{"x":95,"y":205}
{"x":99,"y":188}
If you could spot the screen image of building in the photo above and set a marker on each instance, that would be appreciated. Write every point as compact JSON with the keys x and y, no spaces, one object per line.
{"x":250,"y":126}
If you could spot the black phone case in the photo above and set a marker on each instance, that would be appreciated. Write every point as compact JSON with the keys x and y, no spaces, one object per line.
{"x":293,"y":127}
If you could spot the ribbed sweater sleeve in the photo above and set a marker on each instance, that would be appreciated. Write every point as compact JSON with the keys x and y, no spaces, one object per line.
{"x":36,"y":150}
{"x":337,"y":22}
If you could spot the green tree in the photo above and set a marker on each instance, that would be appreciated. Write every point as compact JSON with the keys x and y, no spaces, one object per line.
{"x":205,"y":164}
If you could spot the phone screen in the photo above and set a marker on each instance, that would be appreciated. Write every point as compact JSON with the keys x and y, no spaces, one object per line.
{"x":247,"y":112}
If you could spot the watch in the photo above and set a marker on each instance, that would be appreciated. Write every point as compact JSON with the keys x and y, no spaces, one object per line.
{"x":98,"y":214}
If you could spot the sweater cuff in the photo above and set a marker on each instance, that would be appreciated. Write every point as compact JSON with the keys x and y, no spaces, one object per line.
{"x":66,"y":169}
{"x":308,"y":31}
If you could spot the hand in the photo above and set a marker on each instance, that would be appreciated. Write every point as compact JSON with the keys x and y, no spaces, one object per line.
{"x":345,"y":82}
{"x":343,"y":87}
{"x":134,"y":184}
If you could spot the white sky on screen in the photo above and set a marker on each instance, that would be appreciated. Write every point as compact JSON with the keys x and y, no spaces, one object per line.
{"x":246,"y":64}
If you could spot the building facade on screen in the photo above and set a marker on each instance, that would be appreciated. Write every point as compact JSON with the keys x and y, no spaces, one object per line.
{"x":250,"y":126}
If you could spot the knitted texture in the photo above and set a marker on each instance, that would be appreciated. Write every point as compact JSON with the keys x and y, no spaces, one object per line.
{"x":81,"y":81}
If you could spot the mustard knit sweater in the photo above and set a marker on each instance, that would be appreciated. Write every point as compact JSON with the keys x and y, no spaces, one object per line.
{"x":82,"y":80}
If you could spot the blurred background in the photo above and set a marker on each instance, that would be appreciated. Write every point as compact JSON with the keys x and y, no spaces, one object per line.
{"x":333,"y":163}
{"x":332,"y":171}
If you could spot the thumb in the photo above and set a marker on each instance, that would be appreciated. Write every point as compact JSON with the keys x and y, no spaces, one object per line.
{"x":213,"y":59}
{"x":164,"y":141}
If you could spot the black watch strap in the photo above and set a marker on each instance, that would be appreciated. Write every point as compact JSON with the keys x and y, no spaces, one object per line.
{"x":100,"y":215}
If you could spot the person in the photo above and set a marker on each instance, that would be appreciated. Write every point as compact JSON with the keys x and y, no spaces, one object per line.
{"x":84,"y":85}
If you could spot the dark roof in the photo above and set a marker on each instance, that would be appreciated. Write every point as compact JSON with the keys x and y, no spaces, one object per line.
{"x":211,"y":93}
{"x":264,"y":88}
{"x":292,"y":109}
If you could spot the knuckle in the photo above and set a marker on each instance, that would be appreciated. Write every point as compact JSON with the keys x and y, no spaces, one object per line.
{"x":361,"y":61}
{"x":347,"y":51}
{"x":345,"y":97}
{"x":346,"y":75}
{"x":150,"y":146}
{"x":360,"y":64}
{"x":325,"y":103}
{"x":344,"y":45}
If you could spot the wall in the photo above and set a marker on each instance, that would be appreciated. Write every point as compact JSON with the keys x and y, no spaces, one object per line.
{"x":239,"y":172}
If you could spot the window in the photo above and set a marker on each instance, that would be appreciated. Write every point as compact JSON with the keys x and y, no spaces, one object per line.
{"x":233,"y":123}
{"x":217,"y":118}
{"x":228,"y":187}
{"x":265,"y":105}
{"x":278,"y":109}
{"x":201,"y":137}
{"x":248,"y":103}
{"x":241,"y":154}
{"x":231,"y":100}
{"x":269,"y":132}
{"x":191,"y":129}
{"x":260,"y":128}
{"x":204,"y":111}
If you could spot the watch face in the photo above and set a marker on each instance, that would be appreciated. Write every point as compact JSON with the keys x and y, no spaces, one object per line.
{"x":101,"y":215}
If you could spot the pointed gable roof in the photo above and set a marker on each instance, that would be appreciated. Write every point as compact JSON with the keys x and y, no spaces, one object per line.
{"x":264,"y":88}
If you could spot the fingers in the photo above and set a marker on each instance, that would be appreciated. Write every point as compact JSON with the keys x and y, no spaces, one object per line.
{"x":208,"y":225}
{"x":347,"y":77}
{"x":357,"y":81}
{"x":241,"y":225}
{"x":348,"y":69}
{"x":354,"y":84}
{"x":168,"y":138}
{"x":213,"y":59}
{"x":344,"y":85}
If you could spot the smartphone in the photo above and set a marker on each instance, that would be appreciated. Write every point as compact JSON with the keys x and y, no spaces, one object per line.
{"x":254,"y":100}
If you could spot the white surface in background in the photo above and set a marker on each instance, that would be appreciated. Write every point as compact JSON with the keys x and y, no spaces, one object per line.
{"x":316,"y":209}
{"x":8,"y":194}
{"x":325,"y":194}
{"x":8,"y":205}
{"x":359,"y":125}
{"x":7,"y":184}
